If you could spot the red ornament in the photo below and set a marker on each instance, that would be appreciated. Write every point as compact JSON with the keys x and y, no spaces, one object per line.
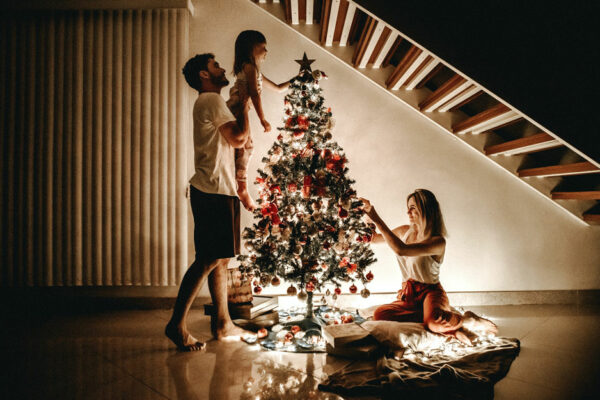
{"x":343,"y":213}
{"x":310,"y":287}
{"x":298,"y":134}
{"x":262,"y":333}
{"x":367,"y":238}
{"x":292,"y":187}
{"x":275,"y":220}
{"x":289,"y":122}
{"x":359,"y":238}
{"x":344,"y":262}
{"x":335,"y":163}
{"x":257,"y":289}
{"x":279,"y":137}
{"x":302,"y":122}
{"x":306,"y":187}
{"x":347,"y":319}
{"x":352,"y":268}
{"x":275,"y":281}
{"x":321,"y":190}
{"x":369,"y":276}
{"x":275,"y":188}
{"x":324,"y":266}
{"x":337,"y":291}
{"x":353,"y":289}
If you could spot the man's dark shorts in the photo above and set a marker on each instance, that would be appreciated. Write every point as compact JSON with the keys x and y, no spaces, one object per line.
{"x":216,"y":224}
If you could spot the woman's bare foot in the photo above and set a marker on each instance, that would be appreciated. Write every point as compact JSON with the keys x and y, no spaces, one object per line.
{"x":230,"y":332}
{"x":465,"y":336}
{"x":475,"y":323}
{"x":245,"y":199}
{"x":183,"y":339}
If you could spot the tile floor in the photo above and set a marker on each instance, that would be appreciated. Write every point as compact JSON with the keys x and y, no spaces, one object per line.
{"x":123,"y":355}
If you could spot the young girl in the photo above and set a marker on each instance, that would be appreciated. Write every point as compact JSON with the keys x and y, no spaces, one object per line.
{"x":250,"y":52}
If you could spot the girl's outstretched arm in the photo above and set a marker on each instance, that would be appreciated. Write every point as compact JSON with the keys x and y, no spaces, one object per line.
{"x":252,"y":76}
{"x":277,"y":87}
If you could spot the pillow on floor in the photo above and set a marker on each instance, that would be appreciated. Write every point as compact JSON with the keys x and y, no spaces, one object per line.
{"x":403,"y":335}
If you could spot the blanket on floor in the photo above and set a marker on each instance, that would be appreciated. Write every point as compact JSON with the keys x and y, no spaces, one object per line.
{"x":431,"y":366}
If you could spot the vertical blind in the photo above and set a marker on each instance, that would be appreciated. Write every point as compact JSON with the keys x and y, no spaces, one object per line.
{"x":94,"y":139}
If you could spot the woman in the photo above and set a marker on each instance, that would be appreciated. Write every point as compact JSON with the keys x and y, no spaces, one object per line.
{"x":420,"y":248}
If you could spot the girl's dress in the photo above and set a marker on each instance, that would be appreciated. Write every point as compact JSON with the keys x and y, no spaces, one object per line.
{"x":239,"y":94}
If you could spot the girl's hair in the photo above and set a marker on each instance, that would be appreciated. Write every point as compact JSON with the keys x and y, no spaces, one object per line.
{"x":244,"y":47}
{"x":431,"y":212}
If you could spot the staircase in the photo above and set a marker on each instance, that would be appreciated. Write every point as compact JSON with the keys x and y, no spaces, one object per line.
{"x":407,"y":71}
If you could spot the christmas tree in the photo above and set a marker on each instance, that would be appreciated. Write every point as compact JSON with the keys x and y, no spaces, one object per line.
{"x":310,"y":230}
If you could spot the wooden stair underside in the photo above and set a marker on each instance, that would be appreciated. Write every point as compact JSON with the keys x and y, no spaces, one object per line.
{"x":398,"y":64}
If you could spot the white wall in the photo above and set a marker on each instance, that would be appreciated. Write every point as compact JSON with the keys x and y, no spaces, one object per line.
{"x":503,"y":234}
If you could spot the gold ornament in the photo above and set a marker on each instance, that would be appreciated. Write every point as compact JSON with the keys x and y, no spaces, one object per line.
{"x":302,"y":295}
{"x":291,"y":291}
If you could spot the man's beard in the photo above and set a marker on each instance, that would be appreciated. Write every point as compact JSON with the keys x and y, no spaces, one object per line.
{"x":220,"y":81}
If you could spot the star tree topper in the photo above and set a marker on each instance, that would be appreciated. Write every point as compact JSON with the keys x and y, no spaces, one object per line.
{"x":305,"y":63}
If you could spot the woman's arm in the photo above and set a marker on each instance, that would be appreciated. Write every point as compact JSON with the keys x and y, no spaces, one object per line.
{"x":433,"y":246}
{"x":279,"y":88}
{"x":252,"y":76}
{"x":398,"y":231}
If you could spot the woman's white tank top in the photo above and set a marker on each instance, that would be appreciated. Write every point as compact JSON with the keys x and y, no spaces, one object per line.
{"x":419,"y":268}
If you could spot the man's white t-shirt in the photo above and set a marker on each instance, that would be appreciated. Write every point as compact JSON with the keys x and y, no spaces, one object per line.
{"x":214,"y":158}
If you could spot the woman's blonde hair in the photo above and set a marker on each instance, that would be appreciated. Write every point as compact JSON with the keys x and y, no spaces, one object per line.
{"x":430,"y":211}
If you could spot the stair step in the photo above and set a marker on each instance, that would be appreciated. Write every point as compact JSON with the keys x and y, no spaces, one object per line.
{"x":591,"y":218}
{"x":585,"y":195}
{"x":538,"y":142}
{"x":492,"y":118}
{"x":579,"y":168}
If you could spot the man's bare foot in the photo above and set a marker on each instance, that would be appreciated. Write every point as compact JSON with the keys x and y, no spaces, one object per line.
{"x":183,"y":339}
{"x":246,"y":200}
{"x":478,"y":324}
{"x":230,"y":332}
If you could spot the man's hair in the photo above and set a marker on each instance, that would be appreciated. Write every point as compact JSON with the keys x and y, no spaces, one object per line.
{"x":430,"y":211}
{"x":192,"y":68}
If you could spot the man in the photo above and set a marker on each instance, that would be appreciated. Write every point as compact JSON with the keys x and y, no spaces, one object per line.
{"x":215,"y":205}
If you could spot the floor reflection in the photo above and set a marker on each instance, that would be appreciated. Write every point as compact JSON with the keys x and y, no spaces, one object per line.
{"x":242,"y":372}
{"x":124,"y":355}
